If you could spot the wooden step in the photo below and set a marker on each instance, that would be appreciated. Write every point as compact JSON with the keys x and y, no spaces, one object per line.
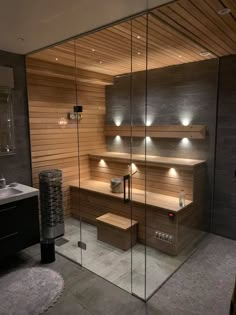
{"x":117,"y":221}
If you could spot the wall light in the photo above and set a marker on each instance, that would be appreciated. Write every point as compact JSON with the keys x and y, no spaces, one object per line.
{"x":185,"y":141}
{"x":148,"y":139}
{"x":132,"y":169}
{"x":62,"y":122}
{"x":185,"y":121}
{"x":172,"y":171}
{"x":149,"y":121}
{"x":102,"y":163}
{"x":117,"y":121}
{"x":117,"y":139}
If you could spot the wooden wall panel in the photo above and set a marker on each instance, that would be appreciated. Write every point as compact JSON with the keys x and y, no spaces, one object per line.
{"x":51,"y":97}
{"x":157,"y":179}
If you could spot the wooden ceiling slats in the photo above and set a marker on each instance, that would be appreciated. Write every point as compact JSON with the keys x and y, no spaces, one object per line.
{"x":114,"y":42}
{"x":230,"y":4}
{"x":101,"y":45}
{"x":164,"y":45}
{"x":194,"y":27}
{"x":173,"y":36}
{"x":175,"y":22}
{"x":162,"y":49}
{"x":88,"y":60}
{"x":206,"y":25}
{"x":228,"y":19}
{"x":226,"y":30}
{"x":177,"y":45}
{"x":177,"y":33}
{"x":135,"y":47}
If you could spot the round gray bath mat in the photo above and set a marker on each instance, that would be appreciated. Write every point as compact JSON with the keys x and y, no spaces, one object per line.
{"x":29,"y":291}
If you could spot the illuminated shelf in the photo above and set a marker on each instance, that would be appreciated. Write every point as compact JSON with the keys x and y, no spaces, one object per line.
{"x":149,"y":159}
{"x":161,"y":131}
{"x":153,"y":199}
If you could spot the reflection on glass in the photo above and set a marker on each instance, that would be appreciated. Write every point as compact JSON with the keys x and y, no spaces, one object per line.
{"x":7,"y":143}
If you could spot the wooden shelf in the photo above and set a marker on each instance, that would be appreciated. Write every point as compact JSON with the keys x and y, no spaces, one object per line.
{"x":152,"y":199}
{"x":162,"y":131}
{"x":149,"y":160}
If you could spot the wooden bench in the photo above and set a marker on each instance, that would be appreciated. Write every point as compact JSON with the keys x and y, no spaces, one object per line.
{"x":162,"y":223}
{"x":117,"y":231}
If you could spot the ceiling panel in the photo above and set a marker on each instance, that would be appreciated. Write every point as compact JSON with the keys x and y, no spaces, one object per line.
{"x":200,"y":21}
{"x":181,"y":32}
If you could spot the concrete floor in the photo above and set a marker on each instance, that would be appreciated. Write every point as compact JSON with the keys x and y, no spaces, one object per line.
{"x":115,"y":265}
{"x":202,"y":286}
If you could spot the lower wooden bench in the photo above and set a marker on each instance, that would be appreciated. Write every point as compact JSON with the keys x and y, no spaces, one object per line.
{"x":117,"y":231}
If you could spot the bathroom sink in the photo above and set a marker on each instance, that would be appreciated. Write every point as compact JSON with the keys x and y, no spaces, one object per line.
{"x":8,"y":192}
{"x":15,"y":192}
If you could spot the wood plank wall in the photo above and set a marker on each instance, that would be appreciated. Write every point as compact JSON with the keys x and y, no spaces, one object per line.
{"x":50,"y":98}
{"x":157,"y":180}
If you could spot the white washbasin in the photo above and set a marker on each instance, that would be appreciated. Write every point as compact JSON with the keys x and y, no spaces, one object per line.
{"x":18,"y":192}
{"x":9,"y":191}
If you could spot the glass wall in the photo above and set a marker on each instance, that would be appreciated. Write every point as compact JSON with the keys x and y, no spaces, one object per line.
{"x":139,"y":141}
{"x":142,"y":201}
{"x":181,"y":116}
{"x":106,"y":223}
{"x":140,"y":194}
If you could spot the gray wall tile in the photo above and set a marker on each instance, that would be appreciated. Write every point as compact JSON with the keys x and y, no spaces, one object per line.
{"x":173,"y":94}
{"x":17,"y":167}
{"x":224,"y":215}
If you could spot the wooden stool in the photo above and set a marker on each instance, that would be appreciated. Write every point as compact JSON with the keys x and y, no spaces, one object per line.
{"x":117,"y":231}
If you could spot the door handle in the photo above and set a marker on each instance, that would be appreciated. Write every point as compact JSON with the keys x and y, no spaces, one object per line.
{"x":126,"y":179}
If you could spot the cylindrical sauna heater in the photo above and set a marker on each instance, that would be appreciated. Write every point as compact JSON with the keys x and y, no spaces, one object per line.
{"x":51,"y":204}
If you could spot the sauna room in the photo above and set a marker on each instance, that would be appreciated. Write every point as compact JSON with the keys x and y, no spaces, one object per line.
{"x":128,"y":114}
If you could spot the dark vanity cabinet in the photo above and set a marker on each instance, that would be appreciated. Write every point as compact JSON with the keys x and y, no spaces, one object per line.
{"x":19,"y":225}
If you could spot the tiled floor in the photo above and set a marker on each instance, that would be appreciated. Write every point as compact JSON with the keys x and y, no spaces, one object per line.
{"x":202,"y":286}
{"x":114,"y":265}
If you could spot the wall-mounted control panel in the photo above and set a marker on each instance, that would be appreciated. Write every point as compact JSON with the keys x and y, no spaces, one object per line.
{"x":164,"y":237}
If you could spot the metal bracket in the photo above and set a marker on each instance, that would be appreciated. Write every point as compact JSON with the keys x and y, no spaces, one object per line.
{"x":82,"y":245}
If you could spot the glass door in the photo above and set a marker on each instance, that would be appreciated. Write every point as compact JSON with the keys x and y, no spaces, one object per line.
{"x":67,"y":108}
{"x":104,"y":72}
{"x":139,"y":145}
{"x":181,"y":103}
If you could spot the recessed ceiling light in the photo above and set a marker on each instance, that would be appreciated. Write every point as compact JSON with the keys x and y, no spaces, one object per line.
{"x":180,"y":56}
{"x":100,"y":61}
{"x":56,"y":59}
{"x":224,"y":11}
{"x":139,"y":53}
{"x":204,"y":53}
{"x":138,"y":37}
{"x":93,"y":49}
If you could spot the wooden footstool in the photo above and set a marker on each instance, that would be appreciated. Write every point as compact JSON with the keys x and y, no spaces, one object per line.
{"x":116,"y":231}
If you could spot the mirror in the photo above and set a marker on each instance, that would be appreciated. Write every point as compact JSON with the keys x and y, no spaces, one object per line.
{"x":7,"y":143}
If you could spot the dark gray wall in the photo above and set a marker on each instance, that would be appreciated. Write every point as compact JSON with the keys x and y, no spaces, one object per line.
{"x":17,"y":167}
{"x":176,"y":93}
{"x":224,"y":216}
